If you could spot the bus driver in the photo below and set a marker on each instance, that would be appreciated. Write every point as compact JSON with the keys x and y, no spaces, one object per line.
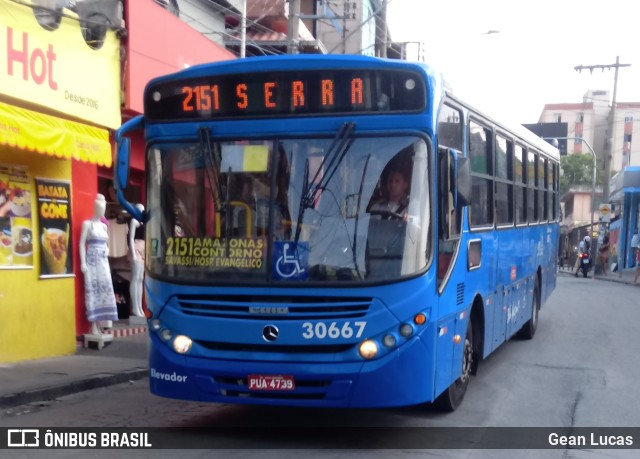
{"x":395,"y":204}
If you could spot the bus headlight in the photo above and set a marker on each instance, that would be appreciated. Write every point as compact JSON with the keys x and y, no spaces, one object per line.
{"x":155,"y":324}
{"x":389,"y":340}
{"x":166,"y":334}
{"x":182,"y":344}
{"x":368,"y":349}
{"x":406,"y":330}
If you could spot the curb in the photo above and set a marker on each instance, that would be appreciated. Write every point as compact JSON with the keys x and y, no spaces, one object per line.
{"x":613,"y":277}
{"x":119,"y":332}
{"x":53,"y":392}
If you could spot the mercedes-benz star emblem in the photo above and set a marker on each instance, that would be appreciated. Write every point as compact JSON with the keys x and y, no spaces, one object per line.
{"x":270,"y":333}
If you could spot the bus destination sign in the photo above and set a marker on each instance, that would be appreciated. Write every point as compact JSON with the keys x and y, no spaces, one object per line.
{"x":286,"y":94}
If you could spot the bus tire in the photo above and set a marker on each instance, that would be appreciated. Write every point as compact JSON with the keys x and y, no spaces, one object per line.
{"x":452,"y":397}
{"x":528,"y":330}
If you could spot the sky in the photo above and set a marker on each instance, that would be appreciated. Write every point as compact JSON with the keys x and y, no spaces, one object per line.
{"x":531,"y":59}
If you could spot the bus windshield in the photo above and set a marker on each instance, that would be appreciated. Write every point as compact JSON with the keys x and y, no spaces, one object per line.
{"x":342,"y":209}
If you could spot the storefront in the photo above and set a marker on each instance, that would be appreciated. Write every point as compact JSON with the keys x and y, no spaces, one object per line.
{"x":625,"y":195}
{"x":59,"y":99}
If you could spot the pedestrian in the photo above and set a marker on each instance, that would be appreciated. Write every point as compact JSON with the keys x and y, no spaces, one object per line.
{"x":603,"y":254}
{"x":635,"y":279}
{"x":635,"y":241}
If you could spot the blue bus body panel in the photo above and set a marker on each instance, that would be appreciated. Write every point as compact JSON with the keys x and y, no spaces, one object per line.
{"x":336,"y":377}
{"x":511,"y":261}
{"x":400,"y":378}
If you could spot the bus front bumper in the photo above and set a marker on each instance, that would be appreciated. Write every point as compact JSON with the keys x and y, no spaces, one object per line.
{"x":400,"y":378}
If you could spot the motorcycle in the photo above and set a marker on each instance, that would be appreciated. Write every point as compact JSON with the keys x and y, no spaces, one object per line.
{"x":585,"y":261}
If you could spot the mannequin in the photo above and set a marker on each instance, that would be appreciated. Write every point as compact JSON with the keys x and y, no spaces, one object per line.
{"x":100,"y":300}
{"x":136,"y":248}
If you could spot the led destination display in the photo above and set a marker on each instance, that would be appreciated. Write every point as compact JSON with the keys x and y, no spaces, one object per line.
{"x":286,"y":93}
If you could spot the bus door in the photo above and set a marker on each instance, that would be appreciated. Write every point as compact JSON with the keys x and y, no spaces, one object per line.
{"x":451,"y":259}
{"x":451,"y":264}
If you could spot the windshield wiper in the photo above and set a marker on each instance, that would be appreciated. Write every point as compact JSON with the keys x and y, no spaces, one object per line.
{"x":335,"y":153}
{"x":355,"y":230}
{"x":311,"y":191}
{"x":212,"y":163}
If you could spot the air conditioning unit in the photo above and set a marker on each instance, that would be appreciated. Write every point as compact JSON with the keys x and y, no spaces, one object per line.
{"x":96,"y":16}
{"x":107,"y":12}
{"x":48,"y":13}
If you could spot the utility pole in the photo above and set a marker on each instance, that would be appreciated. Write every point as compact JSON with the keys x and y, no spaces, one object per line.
{"x":243,"y":30}
{"x":294,"y":23}
{"x":364,"y":21}
{"x":385,"y":32}
{"x":612,"y":116}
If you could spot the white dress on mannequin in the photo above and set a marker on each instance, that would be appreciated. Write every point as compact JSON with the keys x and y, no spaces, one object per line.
{"x":100,"y":300}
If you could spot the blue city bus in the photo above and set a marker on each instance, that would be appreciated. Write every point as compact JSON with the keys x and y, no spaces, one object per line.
{"x":334,"y":231}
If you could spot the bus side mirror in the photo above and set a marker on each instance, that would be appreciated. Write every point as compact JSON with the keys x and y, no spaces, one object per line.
{"x":121,"y":172}
{"x":121,"y":166}
{"x":459,"y":178}
{"x":463,"y":182}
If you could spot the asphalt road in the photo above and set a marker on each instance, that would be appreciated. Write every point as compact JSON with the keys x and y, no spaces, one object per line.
{"x":580,"y":370}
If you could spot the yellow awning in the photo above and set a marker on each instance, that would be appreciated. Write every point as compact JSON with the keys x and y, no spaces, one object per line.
{"x":45,"y":134}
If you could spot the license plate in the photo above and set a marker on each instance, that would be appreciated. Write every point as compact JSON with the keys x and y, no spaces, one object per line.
{"x":585,"y":261}
{"x":271,"y":382}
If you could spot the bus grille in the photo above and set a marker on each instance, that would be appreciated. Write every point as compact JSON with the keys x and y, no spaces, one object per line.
{"x":460,"y":294}
{"x":282,"y":308}
{"x":274,"y":348}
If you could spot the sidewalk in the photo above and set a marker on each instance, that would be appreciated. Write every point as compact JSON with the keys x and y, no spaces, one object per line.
{"x":624,"y":276}
{"x":125,"y":359}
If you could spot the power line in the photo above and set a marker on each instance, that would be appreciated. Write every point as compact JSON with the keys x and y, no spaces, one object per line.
{"x":611,"y":133}
{"x":206,"y":30}
{"x":373,"y":15}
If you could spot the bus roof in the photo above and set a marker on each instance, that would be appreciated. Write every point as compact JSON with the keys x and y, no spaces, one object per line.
{"x":285,"y":62}
{"x":516,"y":129}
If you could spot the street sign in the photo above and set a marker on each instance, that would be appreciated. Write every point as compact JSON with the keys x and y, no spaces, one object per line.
{"x":605,"y":213}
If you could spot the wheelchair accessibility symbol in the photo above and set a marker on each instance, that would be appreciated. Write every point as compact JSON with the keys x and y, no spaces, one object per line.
{"x":290,"y":261}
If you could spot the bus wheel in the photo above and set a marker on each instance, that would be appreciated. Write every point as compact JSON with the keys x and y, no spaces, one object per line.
{"x":528,"y":330}
{"x":451,"y":398}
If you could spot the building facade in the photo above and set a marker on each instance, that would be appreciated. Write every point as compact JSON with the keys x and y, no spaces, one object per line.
{"x":589,"y":120}
{"x":72,"y":72}
{"x":346,"y":27}
{"x":55,"y":122}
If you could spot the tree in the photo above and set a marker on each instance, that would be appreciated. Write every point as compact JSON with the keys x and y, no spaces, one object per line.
{"x":577,"y":169}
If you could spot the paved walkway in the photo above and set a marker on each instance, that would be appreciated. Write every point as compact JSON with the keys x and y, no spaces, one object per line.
{"x":124,"y":359}
{"x":624,"y":276}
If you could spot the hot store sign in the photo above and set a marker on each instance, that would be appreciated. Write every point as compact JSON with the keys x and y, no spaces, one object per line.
{"x":36,"y":64}
{"x":58,"y":69}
